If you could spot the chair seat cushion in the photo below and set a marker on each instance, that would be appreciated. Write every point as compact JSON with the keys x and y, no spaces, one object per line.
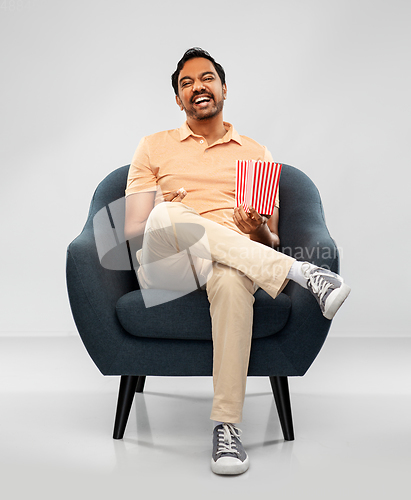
{"x":188,"y":317}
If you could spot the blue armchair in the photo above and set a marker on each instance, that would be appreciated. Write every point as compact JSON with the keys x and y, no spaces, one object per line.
{"x":126,"y":339}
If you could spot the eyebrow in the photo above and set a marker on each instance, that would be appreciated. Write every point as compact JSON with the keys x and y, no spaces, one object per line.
{"x":201,"y":76}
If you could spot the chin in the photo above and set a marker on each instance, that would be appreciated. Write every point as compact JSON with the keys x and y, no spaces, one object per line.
{"x":208,"y":115}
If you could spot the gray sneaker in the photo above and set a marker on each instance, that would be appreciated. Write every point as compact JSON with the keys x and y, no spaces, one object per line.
{"x":327,"y":287}
{"x":229,"y":456}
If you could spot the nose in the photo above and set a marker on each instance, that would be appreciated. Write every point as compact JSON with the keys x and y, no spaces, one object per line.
{"x":198,"y":85}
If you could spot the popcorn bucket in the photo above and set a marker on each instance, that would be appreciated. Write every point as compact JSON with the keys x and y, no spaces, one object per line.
{"x":257,"y":185}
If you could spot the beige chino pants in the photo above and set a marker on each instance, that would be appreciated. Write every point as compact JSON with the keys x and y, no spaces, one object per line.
{"x":177,"y":241}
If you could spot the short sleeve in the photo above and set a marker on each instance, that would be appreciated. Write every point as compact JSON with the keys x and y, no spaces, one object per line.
{"x":268,"y":157}
{"x":140,"y":175}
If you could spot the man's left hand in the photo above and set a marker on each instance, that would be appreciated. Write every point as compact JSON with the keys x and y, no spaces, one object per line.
{"x":248,"y":223}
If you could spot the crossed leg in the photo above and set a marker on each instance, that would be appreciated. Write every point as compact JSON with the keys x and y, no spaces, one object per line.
{"x":181,"y":251}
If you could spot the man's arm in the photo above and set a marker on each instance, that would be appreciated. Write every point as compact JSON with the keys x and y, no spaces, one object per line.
{"x":138,"y":208}
{"x":259,"y":228}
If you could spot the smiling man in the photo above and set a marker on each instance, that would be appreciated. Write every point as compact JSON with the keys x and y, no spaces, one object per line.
{"x":206,"y":101}
{"x":181,"y":194}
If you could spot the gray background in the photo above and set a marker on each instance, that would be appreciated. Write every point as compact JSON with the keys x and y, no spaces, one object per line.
{"x":324,"y":84}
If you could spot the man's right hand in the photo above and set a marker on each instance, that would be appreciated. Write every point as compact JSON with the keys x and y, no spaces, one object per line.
{"x":176,"y":195}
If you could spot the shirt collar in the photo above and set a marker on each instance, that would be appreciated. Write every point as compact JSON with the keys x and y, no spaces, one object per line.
{"x":231,"y":135}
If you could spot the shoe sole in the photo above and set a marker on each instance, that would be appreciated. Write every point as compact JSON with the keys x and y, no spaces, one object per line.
{"x":229,"y":466}
{"x":335,"y":300}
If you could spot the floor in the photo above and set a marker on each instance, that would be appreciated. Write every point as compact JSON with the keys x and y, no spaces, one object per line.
{"x":352,"y":420}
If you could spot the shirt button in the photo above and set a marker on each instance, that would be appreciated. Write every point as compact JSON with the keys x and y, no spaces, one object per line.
{"x":201,"y":142}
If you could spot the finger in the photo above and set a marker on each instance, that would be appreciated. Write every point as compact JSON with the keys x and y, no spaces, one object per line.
{"x":245,"y":225}
{"x":240,"y":218}
{"x":243,"y":214}
{"x":260,"y":219}
{"x":170,"y":196}
{"x":247,"y":219}
{"x":182,"y":193}
{"x":238,"y":221}
{"x":254,"y":214}
{"x":175,"y":195}
{"x":237,"y":213}
{"x":241,"y":226}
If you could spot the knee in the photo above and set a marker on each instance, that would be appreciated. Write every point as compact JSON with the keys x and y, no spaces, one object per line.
{"x":166,"y":210}
{"x":228,"y":283}
{"x":159,"y":216}
{"x":159,"y":210}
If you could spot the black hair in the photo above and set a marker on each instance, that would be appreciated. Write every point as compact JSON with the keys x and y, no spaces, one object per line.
{"x":191,"y":54}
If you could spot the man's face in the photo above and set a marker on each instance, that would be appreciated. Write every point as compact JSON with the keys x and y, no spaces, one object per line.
{"x":200,"y":93}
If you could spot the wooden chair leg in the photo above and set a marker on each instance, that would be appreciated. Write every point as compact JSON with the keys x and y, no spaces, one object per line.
{"x":140,"y":383}
{"x":282,"y":400}
{"x":128,"y":384}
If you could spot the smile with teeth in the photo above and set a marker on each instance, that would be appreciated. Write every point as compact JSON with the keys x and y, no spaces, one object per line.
{"x":201,"y":100}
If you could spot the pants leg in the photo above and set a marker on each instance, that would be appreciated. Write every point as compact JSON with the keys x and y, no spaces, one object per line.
{"x":173,"y":229}
{"x":231,"y":296}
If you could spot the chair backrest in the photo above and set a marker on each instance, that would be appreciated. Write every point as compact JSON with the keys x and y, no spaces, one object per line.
{"x":302,"y":227}
{"x":110,"y":189}
{"x":106,"y":217}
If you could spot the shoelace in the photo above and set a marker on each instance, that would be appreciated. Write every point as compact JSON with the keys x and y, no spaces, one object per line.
{"x":318,"y":283}
{"x":226,"y":443}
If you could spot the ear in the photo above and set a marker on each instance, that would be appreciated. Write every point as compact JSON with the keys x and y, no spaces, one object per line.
{"x":179,"y":103}
{"x":225,"y":91}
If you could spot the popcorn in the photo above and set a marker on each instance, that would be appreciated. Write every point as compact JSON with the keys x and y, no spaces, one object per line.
{"x":257,"y":185}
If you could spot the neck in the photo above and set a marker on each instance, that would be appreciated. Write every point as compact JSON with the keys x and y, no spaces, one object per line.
{"x":211,"y":129}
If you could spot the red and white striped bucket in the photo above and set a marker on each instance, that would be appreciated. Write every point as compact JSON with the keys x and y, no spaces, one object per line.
{"x":257,"y":185}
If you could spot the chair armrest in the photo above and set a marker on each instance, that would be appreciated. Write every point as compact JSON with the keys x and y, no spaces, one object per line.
{"x":93,"y":293}
{"x":317,"y":247}
{"x":306,"y":329}
{"x":304,"y":235}
{"x":302,"y":228}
